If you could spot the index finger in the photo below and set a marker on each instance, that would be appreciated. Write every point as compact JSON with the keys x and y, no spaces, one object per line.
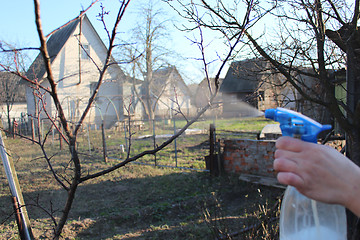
{"x":289,"y":144}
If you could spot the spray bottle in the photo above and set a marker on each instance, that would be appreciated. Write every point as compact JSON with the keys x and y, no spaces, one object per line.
{"x":300,"y":217}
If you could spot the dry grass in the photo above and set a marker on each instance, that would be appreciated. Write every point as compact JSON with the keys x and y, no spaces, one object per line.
{"x":137,"y":201}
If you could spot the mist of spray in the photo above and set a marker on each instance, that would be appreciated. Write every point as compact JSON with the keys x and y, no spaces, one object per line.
{"x":234,"y":107}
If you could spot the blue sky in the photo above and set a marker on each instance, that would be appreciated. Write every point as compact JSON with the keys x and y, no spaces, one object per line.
{"x":18,"y":28}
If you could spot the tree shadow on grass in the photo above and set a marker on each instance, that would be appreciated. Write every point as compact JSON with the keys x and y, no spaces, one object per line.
{"x":169,"y":206}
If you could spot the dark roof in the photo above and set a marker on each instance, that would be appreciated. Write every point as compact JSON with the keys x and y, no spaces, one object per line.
{"x":15,"y":85}
{"x":243,"y":76}
{"x":54,"y":45}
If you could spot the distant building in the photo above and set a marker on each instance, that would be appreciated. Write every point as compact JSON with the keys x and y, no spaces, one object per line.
{"x":257,"y":83}
{"x":12,"y":98}
{"x":169,"y":94}
{"x":202,"y":96}
{"x":253,"y":82}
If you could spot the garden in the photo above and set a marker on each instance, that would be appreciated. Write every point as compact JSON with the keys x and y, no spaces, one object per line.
{"x":167,"y":196}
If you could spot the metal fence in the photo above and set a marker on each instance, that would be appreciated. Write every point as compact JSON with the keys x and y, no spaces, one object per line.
{"x":127,"y":139}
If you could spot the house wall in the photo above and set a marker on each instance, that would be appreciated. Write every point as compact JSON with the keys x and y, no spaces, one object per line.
{"x":132,"y":104}
{"x":274,"y":92}
{"x":109,"y":103}
{"x":249,"y":157}
{"x":17,"y":110}
{"x":34,"y":105}
{"x":30,"y":101}
{"x":270,"y":98}
{"x":175,"y":96}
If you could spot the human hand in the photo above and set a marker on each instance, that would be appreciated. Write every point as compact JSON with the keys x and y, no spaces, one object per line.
{"x":318,"y":172}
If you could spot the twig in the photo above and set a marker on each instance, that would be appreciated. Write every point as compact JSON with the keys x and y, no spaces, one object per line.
{"x":73,"y":20}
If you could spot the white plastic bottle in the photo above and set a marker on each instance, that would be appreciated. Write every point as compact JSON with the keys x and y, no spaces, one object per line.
{"x":302,"y":218}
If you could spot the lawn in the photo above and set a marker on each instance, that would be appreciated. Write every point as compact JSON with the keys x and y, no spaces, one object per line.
{"x":140,"y":201}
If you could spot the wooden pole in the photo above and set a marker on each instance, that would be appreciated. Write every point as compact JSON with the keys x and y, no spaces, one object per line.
{"x":104,"y":141}
{"x":154,"y":140}
{"x":13,"y":127}
{"x":89,"y":142}
{"x":214,"y":170}
{"x":21,"y":215}
{"x":175,"y":144}
{"x":32,"y":129}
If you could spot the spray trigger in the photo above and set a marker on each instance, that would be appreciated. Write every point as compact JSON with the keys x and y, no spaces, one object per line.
{"x":295,"y":124}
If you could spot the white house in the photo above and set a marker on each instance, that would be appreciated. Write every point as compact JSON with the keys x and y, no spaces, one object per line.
{"x":77,"y":53}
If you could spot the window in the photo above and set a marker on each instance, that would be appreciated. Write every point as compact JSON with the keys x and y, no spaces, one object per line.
{"x":85,"y":51}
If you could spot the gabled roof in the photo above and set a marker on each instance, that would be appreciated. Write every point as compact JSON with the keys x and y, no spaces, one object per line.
{"x":244,"y":76}
{"x":161,"y":75}
{"x":201,"y":94}
{"x":204,"y":85}
{"x":162,"y":78}
{"x":55,"y":43}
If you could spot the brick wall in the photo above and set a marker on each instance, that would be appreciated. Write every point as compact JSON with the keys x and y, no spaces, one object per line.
{"x":249,"y":156}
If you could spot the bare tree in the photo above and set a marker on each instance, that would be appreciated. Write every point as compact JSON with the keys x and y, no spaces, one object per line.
{"x":11,"y":89}
{"x":147,"y":51}
{"x":312,"y":42}
{"x":302,"y":50}
{"x":74,"y":174}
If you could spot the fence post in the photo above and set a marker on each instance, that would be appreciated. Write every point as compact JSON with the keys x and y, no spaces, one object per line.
{"x":41,"y":129}
{"x":125,"y":130}
{"x":32,"y":129}
{"x":104,"y":141}
{"x":88,"y":133}
{"x":21,"y":123}
{"x":154,"y":140}
{"x":60,"y":137}
{"x":52,"y":136}
{"x":214,"y":168}
{"x":175,"y":144}
{"x":14,"y":126}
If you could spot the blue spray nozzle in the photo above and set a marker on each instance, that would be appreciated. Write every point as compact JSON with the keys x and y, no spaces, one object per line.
{"x":270,"y":113}
{"x":295,"y":124}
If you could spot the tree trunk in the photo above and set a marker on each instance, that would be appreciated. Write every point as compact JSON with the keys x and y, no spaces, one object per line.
{"x":67,"y":208}
{"x":71,"y":190}
{"x":353,"y":95}
{"x":353,"y":103}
